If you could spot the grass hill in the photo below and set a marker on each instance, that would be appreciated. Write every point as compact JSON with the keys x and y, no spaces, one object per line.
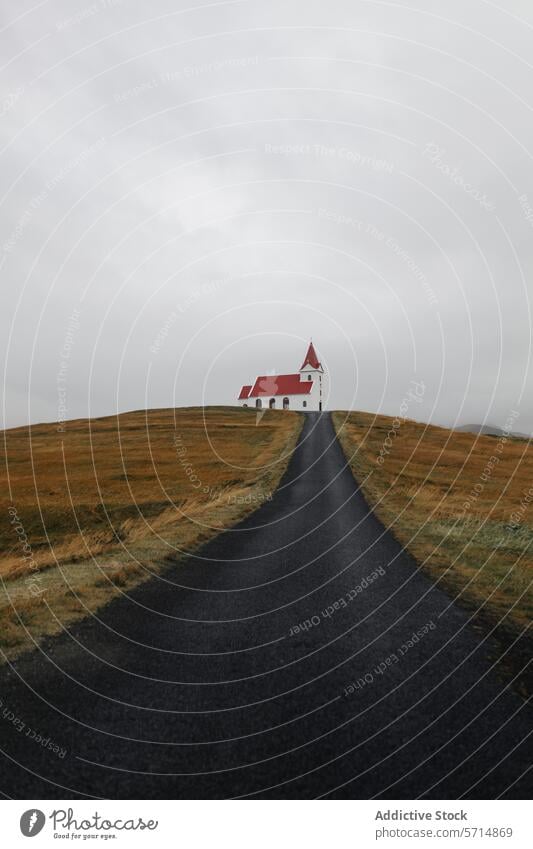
{"x":91,"y":512}
{"x":461,"y":503}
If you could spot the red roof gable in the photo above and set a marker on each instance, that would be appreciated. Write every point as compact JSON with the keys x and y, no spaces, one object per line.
{"x":311,"y":358}
{"x":270,"y":385}
{"x":245,"y":391}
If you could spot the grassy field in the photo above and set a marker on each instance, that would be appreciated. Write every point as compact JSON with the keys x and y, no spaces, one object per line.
{"x":93,"y":511}
{"x":462,"y":505}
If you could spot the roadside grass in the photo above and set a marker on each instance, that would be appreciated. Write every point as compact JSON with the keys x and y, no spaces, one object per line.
{"x":467,"y":522}
{"x":90,"y":513}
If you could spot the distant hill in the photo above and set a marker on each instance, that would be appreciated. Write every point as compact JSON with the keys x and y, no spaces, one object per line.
{"x":489,"y":430}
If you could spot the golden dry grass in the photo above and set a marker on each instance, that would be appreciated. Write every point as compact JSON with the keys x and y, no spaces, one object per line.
{"x":466,"y":518}
{"x":102,"y":506}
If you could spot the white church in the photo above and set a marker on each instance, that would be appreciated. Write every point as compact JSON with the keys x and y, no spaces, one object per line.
{"x":304,"y":390}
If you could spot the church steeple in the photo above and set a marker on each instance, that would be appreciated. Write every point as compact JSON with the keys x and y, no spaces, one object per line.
{"x":312,"y":370}
{"x":311,"y":359}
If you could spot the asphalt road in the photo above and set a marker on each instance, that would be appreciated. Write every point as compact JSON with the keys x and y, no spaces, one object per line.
{"x":278,"y":663}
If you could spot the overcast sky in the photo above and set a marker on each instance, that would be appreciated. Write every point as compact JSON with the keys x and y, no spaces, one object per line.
{"x":190,"y":191}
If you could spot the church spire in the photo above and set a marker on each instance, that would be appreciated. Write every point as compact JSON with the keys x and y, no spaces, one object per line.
{"x":311,"y":358}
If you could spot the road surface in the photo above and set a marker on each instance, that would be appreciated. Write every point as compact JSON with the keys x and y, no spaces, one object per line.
{"x":299,"y":655}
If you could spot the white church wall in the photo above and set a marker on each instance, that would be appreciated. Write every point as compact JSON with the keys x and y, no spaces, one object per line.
{"x":296,"y":402}
{"x":319,"y":382}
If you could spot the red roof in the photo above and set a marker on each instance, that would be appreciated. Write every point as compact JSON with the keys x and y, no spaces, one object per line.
{"x":311,"y":358}
{"x":245,"y":391}
{"x":270,"y":385}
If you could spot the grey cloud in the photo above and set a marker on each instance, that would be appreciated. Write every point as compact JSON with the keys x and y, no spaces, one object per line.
{"x":249,"y":175}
